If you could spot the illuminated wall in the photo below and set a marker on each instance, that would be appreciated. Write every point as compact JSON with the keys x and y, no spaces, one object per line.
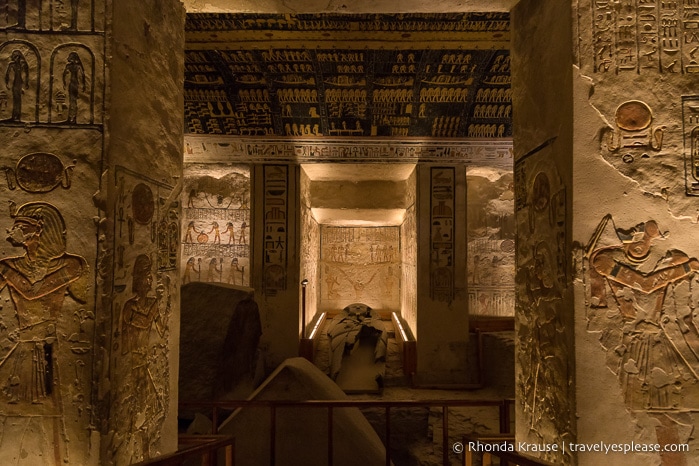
{"x":491,"y":241}
{"x":360,"y":264}
{"x":216,"y":224}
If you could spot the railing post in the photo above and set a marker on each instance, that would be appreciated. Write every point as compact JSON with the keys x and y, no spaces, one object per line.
{"x":272,"y":435}
{"x":388,"y":436}
{"x":445,"y":435}
{"x":214,"y":420}
{"x":330,"y":436}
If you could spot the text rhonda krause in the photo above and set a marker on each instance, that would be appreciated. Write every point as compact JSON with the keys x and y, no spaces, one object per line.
{"x":599,"y":447}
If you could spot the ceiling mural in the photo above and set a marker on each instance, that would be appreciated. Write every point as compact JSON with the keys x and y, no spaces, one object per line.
{"x":327,"y":75}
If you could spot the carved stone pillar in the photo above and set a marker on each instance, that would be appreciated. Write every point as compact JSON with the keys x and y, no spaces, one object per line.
{"x":90,"y":108}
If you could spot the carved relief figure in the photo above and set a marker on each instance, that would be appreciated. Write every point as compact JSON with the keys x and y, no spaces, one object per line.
{"x":73,"y":81}
{"x":17,"y":79}
{"x":648,"y":327}
{"x":142,"y":395}
{"x":640,"y":279}
{"x":38,"y":282}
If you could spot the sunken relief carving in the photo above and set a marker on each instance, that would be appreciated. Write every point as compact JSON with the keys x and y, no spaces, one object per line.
{"x":217,"y":214}
{"x":146,"y":244}
{"x":72,"y":89}
{"x":275,"y":227}
{"x":634,"y":122}
{"x":39,"y":172}
{"x":51,"y":15}
{"x":46,"y":343}
{"x":20,"y":65}
{"x":653,"y":36}
{"x":360,"y":264}
{"x":543,"y":374}
{"x":641,"y":300}
{"x":690,"y":127}
{"x":442,"y":219}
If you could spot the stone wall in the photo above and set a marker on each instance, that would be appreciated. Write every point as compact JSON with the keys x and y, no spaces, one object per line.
{"x":310,"y":249}
{"x":491,"y":246}
{"x":543,"y":129}
{"x":140,"y":238}
{"x":216,"y":219}
{"x":85,"y":224}
{"x":635,"y":224}
{"x":360,"y":265}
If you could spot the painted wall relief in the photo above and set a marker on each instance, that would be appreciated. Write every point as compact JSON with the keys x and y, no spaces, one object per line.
{"x":349,"y":90}
{"x":216,"y":220}
{"x":641,"y":300}
{"x":543,"y":318}
{"x":49,"y":15}
{"x":146,"y":242}
{"x":408,"y":281}
{"x":652,"y":36}
{"x":442,"y":215}
{"x":490,"y":233}
{"x":360,"y":264}
{"x":20,"y":65}
{"x":690,"y":129}
{"x":73,"y":77}
{"x":635,"y":134}
{"x":72,"y":87}
{"x":45,"y":339}
{"x":275,"y":224}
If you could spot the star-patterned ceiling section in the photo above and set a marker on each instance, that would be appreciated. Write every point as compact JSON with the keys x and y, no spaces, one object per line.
{"x":307,"y":85}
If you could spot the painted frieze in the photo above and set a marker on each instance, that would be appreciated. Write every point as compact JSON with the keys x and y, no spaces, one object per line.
{"x":360,"y":265}
{"x":146,"y":242}
{"x":216,"y":222}
{"x":491,"y":246}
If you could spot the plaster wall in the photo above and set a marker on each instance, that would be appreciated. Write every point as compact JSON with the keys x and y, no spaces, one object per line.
{"x":277,"y":284}
{"x":408,"y":237}
{"x":310,"y":249}
{"x":216,"y":222}
{"x":543,"y":128}
{"x":442,"y":320}
{"x":491,"y":246}
{"x":648,"y":190}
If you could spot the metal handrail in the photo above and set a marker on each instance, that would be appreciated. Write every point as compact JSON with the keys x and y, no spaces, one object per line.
{"x":205,"y":447}
{"x":216,"y":406}
{"x":507,"y":458}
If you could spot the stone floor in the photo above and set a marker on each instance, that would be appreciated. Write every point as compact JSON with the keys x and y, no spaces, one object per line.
{"x":416,"y":433}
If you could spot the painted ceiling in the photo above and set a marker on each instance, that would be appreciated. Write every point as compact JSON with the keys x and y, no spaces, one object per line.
{"x":365,"y":75}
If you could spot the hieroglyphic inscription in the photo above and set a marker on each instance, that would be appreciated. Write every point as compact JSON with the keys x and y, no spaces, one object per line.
{"x":645,"y":36}
{"x":20,"y":66}
{"x":53,"y":16}
{"x":146,"y":241}
{"x":690,"y":128}
{"x":361,"y":82}
{"x":39,"y":172}
{"x":275,"y":227}
{"x":360,"y":264}
{"x":635,"y":133}
{"x":230,"y":149}
{"x":216,"y":242}
{"x":543,"y":326}
{"x":442,"y":215}
{"x":490,"y":235}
